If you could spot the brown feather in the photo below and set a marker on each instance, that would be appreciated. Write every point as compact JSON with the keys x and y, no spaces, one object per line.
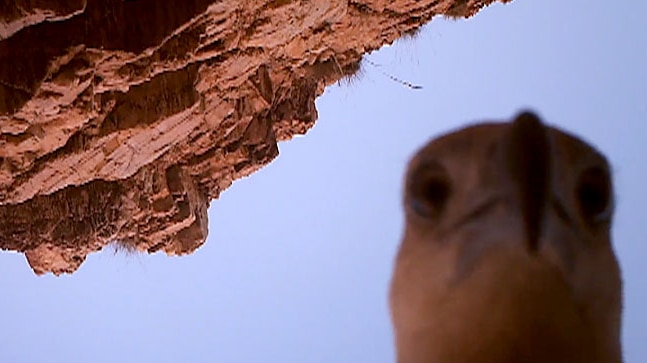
{"x":506,"y":254}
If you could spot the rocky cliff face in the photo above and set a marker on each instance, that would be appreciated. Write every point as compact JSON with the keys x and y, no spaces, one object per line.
{"x":120,"y":120}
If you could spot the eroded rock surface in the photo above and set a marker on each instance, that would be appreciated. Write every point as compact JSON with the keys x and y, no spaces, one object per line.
{"x":120,"y":120}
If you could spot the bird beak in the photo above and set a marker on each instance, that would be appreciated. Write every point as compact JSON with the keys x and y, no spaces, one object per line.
{"x":527,"y":156}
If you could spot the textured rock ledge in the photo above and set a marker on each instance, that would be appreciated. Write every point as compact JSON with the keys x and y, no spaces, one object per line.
{"x":120,"y":120}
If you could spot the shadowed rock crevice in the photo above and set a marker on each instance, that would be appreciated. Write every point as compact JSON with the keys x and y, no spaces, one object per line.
{"x":121,"y":120}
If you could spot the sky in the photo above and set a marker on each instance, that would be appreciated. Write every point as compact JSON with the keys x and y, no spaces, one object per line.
{"x":299,"y":255}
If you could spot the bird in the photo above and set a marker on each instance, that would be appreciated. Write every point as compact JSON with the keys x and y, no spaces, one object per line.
{"x":506,"y":253}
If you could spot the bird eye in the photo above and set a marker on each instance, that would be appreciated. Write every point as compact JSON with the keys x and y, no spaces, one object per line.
{"x":594,"y":195}
{"x":429,"y":190}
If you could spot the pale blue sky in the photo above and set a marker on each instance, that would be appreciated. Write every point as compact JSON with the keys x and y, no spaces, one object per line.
{"x":299,"y":255}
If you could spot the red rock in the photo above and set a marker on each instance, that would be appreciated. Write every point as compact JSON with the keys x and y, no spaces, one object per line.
{"x":120,"y":120}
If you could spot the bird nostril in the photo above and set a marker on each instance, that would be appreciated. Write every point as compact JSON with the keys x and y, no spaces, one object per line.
{"x":593,"y":195}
